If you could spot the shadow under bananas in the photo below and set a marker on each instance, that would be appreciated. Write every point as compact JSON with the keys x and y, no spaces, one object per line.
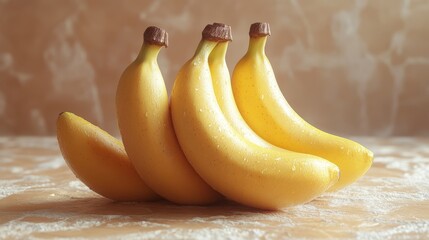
{"x":32,"y":202}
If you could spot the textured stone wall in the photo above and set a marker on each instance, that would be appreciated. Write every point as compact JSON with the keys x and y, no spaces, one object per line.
{"x":348,"y":67}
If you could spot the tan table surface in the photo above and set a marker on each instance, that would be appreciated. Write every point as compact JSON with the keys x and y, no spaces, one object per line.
{"x":41,"y":198}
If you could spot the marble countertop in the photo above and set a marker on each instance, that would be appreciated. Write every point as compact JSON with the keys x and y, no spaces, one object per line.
{"x":41,"y":198}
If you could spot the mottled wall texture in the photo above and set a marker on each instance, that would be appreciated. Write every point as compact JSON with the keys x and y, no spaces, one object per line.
{"x":349,"y":67}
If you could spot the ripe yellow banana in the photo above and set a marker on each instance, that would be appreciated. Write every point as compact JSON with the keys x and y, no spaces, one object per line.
{"x":225,"y":97}
{"x":237,"y":168}
{"x":99,"y":160}
{"x":145,"y":124}
{"x":267,"y":112}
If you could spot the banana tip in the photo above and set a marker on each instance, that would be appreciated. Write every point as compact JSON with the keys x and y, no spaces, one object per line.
{"x":260,"y":29}
{"x":217,"y":32}
{"x":155,"y":35}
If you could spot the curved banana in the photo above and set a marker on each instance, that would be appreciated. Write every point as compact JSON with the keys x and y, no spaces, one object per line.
{"x":225,"y":97}
{"x":267,"y":112}
{"x":99,"y":160}
{"x":237,"y":168}
{"x":145,"y":124}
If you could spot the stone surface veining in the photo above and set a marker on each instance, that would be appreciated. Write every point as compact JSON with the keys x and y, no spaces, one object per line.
{"x":351,"y":67}
{"x":41,"y":198}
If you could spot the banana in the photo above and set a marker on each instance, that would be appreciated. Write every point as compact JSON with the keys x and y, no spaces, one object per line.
{"x":99,"y":160}
{"x":267,"y":112}
{"x":237,"y":168}
{"x":145,"y":124}
{"x":224,"y":95}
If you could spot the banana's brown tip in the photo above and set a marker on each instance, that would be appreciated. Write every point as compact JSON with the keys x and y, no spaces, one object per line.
{"x":155,"y":35}
{"x":260,"y":29}
{"x":63,"y":113}
{"x":217,"y":32}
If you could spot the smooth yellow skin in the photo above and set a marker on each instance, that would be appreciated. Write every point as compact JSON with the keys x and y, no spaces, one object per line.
{"x":99,"y":160}
{"x":237,"y":168}
{"x":225,"y":97}
{"x":145,"y":124}
{"x":267,"y":112}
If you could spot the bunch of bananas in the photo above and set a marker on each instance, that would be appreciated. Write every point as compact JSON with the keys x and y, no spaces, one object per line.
{"x":219,"y":137}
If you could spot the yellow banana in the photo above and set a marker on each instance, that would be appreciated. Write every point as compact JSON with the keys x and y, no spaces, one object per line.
{"x":237,"y":168}
{"x":224,"y":95}
{"x":267,"y":112}
{"x":145,"y":124}
{"x":99,"y":160}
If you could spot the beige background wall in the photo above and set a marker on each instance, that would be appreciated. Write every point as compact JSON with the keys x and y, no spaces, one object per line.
{"x":349,"y":67}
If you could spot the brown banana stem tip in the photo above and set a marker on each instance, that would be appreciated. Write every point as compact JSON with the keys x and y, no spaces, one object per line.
{"x":217,"y":32}
{"x":259,"y":30}
{"x":155,"y":35}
